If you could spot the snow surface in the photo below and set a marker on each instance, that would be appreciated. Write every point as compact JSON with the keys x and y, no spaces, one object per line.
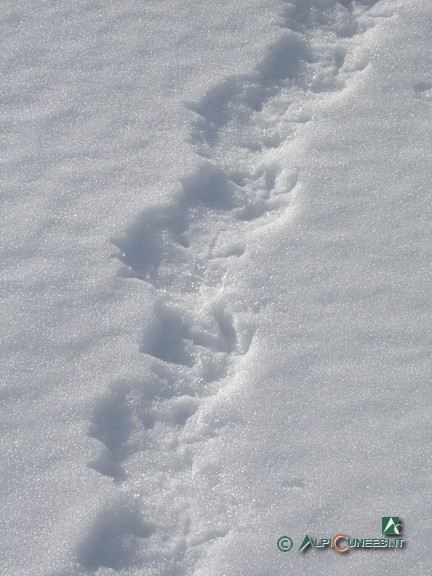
{"x":216,"y":249}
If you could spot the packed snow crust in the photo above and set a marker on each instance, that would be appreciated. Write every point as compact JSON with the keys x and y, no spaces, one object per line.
{"x":216,"y":250}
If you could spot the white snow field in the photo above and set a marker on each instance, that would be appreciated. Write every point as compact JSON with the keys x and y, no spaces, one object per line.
{"x":216,"y":285}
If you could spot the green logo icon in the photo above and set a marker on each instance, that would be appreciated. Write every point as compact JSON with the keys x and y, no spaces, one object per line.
{"x":391,"y":525}
{"x":306,"y":542}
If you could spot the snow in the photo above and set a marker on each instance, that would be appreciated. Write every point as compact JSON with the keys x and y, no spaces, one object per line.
{"x":216,"y":281}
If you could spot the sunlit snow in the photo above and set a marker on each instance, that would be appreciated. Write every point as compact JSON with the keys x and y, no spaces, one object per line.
{"x":216,"y":285}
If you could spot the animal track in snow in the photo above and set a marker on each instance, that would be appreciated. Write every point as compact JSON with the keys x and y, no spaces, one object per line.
{"x":199,"y":328}
{"x":111,"y":424}
{"x":113,"y":541}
